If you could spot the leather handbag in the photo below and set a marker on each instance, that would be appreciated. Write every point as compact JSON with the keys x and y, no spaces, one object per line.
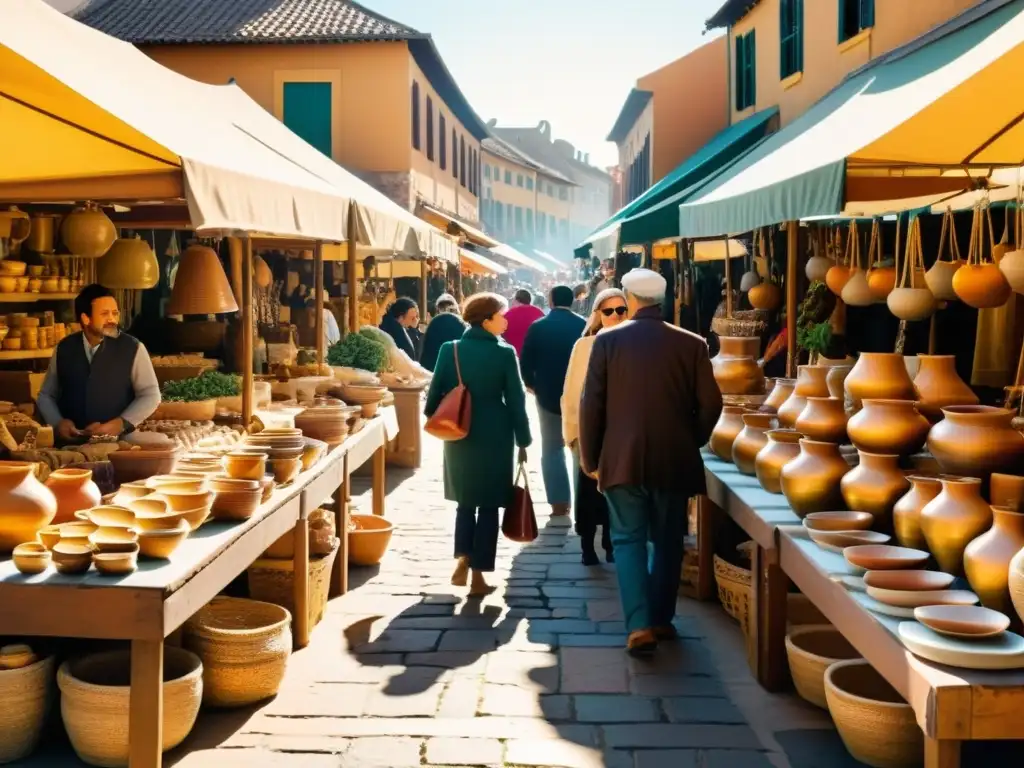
{"x":520,"y":523}
{"x":451,"y":420}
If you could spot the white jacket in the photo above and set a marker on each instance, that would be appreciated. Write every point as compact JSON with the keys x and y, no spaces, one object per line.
{"x":575,"y":377}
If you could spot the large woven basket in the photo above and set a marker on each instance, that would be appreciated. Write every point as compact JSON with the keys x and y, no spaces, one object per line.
{"x":26,"y":695}
{"x":811,"y":650}
{"x":244,"y":645}
{"x":95,"y":693}
{"x":272,"y":581}
{"x":733,"y":589}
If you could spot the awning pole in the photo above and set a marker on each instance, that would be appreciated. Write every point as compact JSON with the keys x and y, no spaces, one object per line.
{"x":247,"y":334}
{"x":728,"y":280}
{"x":350,"y":272}
{"x":792,"y":249}
{"x":423,"y":289}
{"x":318,"y":292}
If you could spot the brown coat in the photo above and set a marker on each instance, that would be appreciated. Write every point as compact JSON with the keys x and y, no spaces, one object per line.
{"x":649,"y":403}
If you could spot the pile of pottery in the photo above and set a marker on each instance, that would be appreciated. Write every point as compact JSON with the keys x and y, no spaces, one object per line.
{"x":283,"y":448}
{"x":327,"y":421}
{"x":736,"y":369}
{"x":369,"y":397}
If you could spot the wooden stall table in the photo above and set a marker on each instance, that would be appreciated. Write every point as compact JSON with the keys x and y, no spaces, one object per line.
{"x":952,"y":705}
{"x":759,"y":513}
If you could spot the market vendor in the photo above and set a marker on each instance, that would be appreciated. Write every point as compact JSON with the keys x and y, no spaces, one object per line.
{"x":100,"y":381}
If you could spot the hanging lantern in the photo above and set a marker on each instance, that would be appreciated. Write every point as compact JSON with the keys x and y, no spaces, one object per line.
{"x":200,"y":286}
{"x":980,"y":283}
{"x":261,"y":274}
{"x":130,"y":264}
{"x":88,"y":232}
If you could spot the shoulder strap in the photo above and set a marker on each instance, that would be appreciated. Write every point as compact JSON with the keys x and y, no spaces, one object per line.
{"x":455,"y":354}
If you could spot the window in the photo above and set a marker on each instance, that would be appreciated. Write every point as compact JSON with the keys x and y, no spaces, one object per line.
{"x":563,"y":193}
{"x":551,"y":190}
{"x":554,"y":226}
{"x":430,"y":128}
{"x":455,"y":155}
{"x":307,"y":112}
{"x":442,"y":144}
{"x":508,"y":227}
{"x":508,"y":177}
{"x":472,"y":171}
{"x":791,"y":37}
{"x":519,"y":179}
{"x":529,"y":223}
{"x":529,"y":183}
{"x":462,"y":160}
{"x":746,"y":71}
{"x":519,"y":220}
{"x":854,"y":17}
{"x":542,"y":225}
{"x":487,"y":171}
{"x":415,"y":115}
{"x":563,"y":228}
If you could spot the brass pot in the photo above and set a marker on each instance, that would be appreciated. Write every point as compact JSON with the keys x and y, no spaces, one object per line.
{"x":906,"y":513}
{"x":1006,"y":491}
{"x":939,"y":385}
{"x":1017,"y":583}
{"x":888,"y":426}
{"x":977,"y":440}
{"x":811,"y":482}
{"x":780,"y":392}
{"x":874,"y":486}
{"x":735,"y":366}
{"x":751,"y":439}
{"x":810,"y":382}
{"x":836,"y":380}
{"x":728,"y":428}
{"x":782,"y":447}
{"x":953,"y":519}
{"x":823,"y":418}
{"x":987,"y":558}
{"x":878,"y":376}
{"x":88,"y":232}
{"x":41,"y":238}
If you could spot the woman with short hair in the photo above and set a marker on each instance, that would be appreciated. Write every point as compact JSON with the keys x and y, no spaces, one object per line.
{"x":402,"y":315}
{"x":445,"y":326}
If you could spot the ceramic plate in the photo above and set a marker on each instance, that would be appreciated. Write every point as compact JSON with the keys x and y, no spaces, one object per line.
{"x":905,"y":598}
{"x":1004,"y":651}
{"x":886,"y":610}
{"x":969,"y":622}
{"x":856,"y":583}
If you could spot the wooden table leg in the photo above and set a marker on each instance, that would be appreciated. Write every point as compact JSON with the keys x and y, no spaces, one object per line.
{"x":300,"y":616}
{"x":706,"y":514}
{"x":146,"y":704}
{"x":379,"y":487}
{"x":773,"y":589}
{"x":339,"y":575}
{"x":941,"y":753}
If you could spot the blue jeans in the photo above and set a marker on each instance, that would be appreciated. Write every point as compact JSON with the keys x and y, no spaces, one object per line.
{"x":552,"y":458}
{"x":476,"y":536}
{"x":647,"y":587}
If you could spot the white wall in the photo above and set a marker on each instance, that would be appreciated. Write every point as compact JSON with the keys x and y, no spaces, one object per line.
{"x":65,"y":5}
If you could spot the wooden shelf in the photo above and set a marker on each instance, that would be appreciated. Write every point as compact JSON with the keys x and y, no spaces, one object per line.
{"x":25,"y":298}
{"x":25,"y":354}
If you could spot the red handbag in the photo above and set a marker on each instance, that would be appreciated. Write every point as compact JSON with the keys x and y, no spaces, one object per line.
{"x":451,"y":420}
{"x":520,"y":523}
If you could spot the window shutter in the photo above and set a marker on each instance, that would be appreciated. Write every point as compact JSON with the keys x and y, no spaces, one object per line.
{"x":867,"y":14}
{"x":752,"y":69}
{"x":740,"y":74}
{"x":842,"y":19}
{"x":784,"y":30}
{"x":798,"y":11}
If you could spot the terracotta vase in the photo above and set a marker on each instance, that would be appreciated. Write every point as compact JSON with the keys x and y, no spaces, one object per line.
{"x":780,"y":392}
{"x":888,"y":426}
{"x":938,"y":385}
{"x":977,"y":440}
{"x":906,"y":513}
{"x":26,"y":505}
{"x":1006,"y":491}
{"x":88,"y":232}
{"x":987,"y":558}
{"x":824,"y":419}
{"x":953,"y":519}
{"x":735,"y":366}
{"x":751,"y":439}
{"x":836,"y":380}
{"x":810,"y":382}
{"x":878,"y":376}
{"x":74,"y":490}
{"x":811,"y":482}
{"x":728,"y":428}
{"x":782,"y":447}
{"x":874,"y":486}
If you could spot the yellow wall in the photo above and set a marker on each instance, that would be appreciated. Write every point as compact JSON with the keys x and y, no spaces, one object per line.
{"x":537,"y":200}
{"x":826,"y":61}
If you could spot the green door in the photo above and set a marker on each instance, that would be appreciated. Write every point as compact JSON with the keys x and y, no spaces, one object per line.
{"x":307,"y":112}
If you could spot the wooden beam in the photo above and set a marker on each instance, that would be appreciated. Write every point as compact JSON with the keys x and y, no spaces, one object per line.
{"x":318,"y":293}
{"x":350,"y":272}
{"x":792,"y":254}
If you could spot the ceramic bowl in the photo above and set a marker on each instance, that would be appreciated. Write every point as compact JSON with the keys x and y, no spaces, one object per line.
{"x":110,"y":516}
{"x":884,"y":557}
{"x":110,"y":540}
{"x":966,"y":621}
{"x":31,"y":558}
{"x":161,"y":544}
{"x":909,"y":581}
{"x":76,"y":532}
{"x":918,"y":597}
{"x":236,"y":505}
{"x":71,"y":557}
{"x":838,"y":521}
{"x":49,"y":536}
{"x":245,"y":466}
{"x":176,"y":484}
{"x":131,"y":491}
{"x":183,"y":501}
{"x":221,"y":484}
{"x":839,"y":540}
{"x":286,"y":470}
{"x":116,"y":563}
{"x":195,"y":517}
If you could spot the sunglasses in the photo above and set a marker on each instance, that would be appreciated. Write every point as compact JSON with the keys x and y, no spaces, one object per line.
{"x":613,"y":311}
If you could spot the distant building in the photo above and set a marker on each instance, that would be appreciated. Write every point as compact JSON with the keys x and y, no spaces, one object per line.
{"x":65,"y":6}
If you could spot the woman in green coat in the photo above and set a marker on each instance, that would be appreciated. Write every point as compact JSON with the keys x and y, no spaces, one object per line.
{"x":478,"y":470}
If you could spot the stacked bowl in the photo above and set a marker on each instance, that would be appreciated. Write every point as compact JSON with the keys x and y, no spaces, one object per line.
{"x":327,"y":423}
{"x":283,"y":448}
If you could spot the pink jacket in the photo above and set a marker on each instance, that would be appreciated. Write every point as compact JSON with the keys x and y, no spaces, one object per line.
{"x":520,"y":318}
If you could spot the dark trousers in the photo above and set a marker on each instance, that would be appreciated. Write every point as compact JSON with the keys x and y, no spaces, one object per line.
{"x":587,"y":531}
{"x":476,"y":536}
{"x":647,"y":585}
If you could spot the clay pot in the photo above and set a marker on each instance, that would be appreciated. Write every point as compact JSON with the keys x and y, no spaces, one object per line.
{"x":888,"y":426}
{"x":817,"y":268}
{"x":810,"y":382}
{"x":751,"y":439}
{"x":837,"y":277}
{"x":823,"y":418}
{"x":766,"y":296}
{"x":735,"y":366}
{"x":939,"y":385}
{"x":911,"y":304}
{"x":836,"y":380}
{"x":881,"y":281}
{"x":977,"y":440}
{"x":1006,"y":491}
{"x":953,"y":519}
{"x":728,"y":428}
{"x":982,"y":286}
{"x":88,"y":232}
{"x":939,"y":279}
{"x":26,"y":505}
{"x":856,"y":292}
{"x":906,"y":513}
{"x":879,"y":375}
{"x":874,"y":486}
{"x":130,"y":264}
{"x":74,"y":490}
{"x":782,"y":447}
{"x":748,"y":280}
{"x":811,"y":482}
{"x":780,"y":392}
{"x":987,"y":558}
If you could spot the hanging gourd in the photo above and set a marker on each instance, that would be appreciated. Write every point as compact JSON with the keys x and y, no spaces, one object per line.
{"x":856,"y":292}
{"x":980,"y":283}
{"x":750,"y":278}
{"x":940,"y":277}
{"x":261,"y":274}
{"x":130,"y":264}
{"x":766,"y":295}
{"x":88,"y":232}
{"x":818,"y":265}
{"x":841,"y":271}
{"x":910,"y":299}
{"x":881,"y":280}
{"x":1012,"y":264}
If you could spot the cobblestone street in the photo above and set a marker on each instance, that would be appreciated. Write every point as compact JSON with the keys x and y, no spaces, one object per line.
{"x":404,"y":672}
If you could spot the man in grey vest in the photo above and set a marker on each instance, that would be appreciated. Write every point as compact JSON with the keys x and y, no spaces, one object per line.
{"x":100,"y":381}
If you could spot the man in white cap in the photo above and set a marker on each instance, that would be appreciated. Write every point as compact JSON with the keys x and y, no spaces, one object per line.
{"x":649,"y":403}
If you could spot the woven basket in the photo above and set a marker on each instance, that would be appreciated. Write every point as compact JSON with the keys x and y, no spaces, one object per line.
{"x":244,"y":645}
{"x":877,"y":726}
{"x":272,"y":581}
{"x":95,"y":693}
{"x":811,"y":650}
{"x":733,"y":589}
{"x":747,"y":323}
{"x":26,"y":694}
{"x":199,"y":410}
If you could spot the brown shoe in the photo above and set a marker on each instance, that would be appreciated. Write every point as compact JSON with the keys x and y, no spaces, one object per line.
{"x":666,"y":633}
{"x":642,"y":642}
{"x":559,"y":510}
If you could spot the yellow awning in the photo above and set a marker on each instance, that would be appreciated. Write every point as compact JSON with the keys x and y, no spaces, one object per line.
{"x":474,"y":264}
{"x":442,"y":220}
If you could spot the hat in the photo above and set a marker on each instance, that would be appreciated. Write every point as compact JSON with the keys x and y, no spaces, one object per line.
{"x":644,"y":283}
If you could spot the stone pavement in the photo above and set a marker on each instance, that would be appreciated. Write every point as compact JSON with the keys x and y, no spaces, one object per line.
{"x":403,"y":671}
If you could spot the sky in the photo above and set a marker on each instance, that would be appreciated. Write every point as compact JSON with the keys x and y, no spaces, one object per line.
{"x":570,"y":62}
